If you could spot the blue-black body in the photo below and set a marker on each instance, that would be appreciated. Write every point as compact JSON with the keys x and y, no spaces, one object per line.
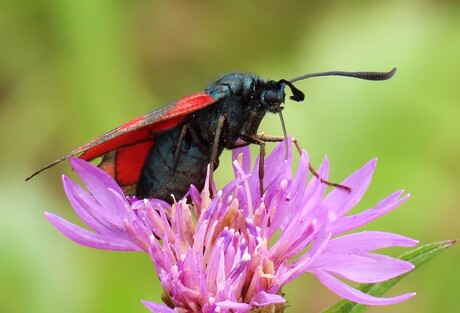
{"x":239,"y":100}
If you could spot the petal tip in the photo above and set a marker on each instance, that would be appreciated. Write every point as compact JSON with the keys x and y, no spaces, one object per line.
{"x":373,"y":162}
{"x":75,"y":161}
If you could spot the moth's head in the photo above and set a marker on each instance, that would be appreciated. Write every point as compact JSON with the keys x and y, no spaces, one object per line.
{"x":272,"y":96}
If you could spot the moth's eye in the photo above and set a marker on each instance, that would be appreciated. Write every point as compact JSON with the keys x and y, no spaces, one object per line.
{"x":270,"y":97}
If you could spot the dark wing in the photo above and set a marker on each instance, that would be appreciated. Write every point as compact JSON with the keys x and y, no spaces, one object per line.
{"x":124,"y":149}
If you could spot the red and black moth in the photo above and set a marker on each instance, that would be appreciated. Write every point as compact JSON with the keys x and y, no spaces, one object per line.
{"x":163,"y":152}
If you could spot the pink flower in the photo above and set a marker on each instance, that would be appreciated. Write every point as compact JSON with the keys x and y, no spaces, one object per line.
{"x":219,"y":254}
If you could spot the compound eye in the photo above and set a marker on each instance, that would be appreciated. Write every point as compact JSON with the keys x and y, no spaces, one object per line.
{"x":270,"y":97}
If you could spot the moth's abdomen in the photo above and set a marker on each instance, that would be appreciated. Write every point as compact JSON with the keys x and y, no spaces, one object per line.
{"x":159,"y":179}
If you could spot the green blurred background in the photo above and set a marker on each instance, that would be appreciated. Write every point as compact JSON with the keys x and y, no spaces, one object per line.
{"x":71,"y":70}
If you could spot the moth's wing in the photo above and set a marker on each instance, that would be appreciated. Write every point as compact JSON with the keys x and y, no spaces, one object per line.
{"x":125,"y":148}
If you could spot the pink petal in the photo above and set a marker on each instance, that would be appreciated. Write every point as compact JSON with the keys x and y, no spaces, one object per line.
{"x":99,"y":218}
{"x":280,"y":167}
{"x":157,"y":308}
{"x":351,"y":222}
{"x":390,"y":199}
{"x":367,"y":268}
{"x":361,"y":242}
{"x":97,"y":181}
{"x":195,"y":196}
{"x":300,"y":179}
{"x":315,"y":189}
{"x":245,"y":158}
{"x":355,"y":295}
{"x":89,"y":239}
{"x":263,"y":298}
{"x":232,"y":305}
{"x":340,"y":201}
{"x":287,"y":273}
{"x":85,"y":213}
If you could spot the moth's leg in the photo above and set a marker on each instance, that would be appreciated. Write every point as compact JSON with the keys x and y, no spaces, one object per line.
{"x":268,"y":138}
{"x":185,"y":129}
{"x":261,"y":143}
{"x":239,"y":144}
{"x":182,"y":135}
{"x":215,"y":150}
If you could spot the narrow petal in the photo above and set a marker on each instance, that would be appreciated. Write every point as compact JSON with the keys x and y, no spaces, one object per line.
{"x":300,"y":179}
{"x":195,"y":196}
{"x":103,"y":220}
{"x":391,"y":198}
{"x":287,"y":273}
{"x":263,"y":298}
{"x":354,"y":221}
{"x":85,"y":213}
{"x":315,"y":189}
{"x":243,"y":155}
{"x":340,"y":201}
{"x":355,"y":295}
{"x":361,"y":242}
{"x":157,"y":308}
{"x":232,"y":305}
{"x":97,"y":181}
{"x":86,"y":238}
{"x":367,"y":268}
{"x":280,"y":166}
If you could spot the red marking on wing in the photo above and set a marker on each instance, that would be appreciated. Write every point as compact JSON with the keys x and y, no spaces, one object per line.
{"x":133,"y":123}
{"x":181,"y":107}
{"x":190,"y":104}
{"x":127,"y":139}
{"x":129,"y":162}
{"x":140,"y":129}
{"x":125,"y":164}
{"x":143,"y":127}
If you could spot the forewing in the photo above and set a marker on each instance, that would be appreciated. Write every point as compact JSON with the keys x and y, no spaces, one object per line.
{"x":124,"y":149}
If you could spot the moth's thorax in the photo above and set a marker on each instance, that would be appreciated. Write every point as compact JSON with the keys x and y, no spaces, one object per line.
{"x":239,"y":98}
{"x":234,"y":84}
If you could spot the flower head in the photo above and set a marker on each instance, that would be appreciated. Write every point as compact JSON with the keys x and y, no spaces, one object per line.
{"x":220,"y":254}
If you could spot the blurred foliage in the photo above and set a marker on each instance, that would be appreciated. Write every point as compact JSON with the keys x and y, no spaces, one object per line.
{"x":71,"y":70}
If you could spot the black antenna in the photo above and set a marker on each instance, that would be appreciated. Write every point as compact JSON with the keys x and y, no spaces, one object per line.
{"x":359,"y":75}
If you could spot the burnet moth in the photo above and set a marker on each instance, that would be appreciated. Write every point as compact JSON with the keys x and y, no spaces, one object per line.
{"x":163,"y":152}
